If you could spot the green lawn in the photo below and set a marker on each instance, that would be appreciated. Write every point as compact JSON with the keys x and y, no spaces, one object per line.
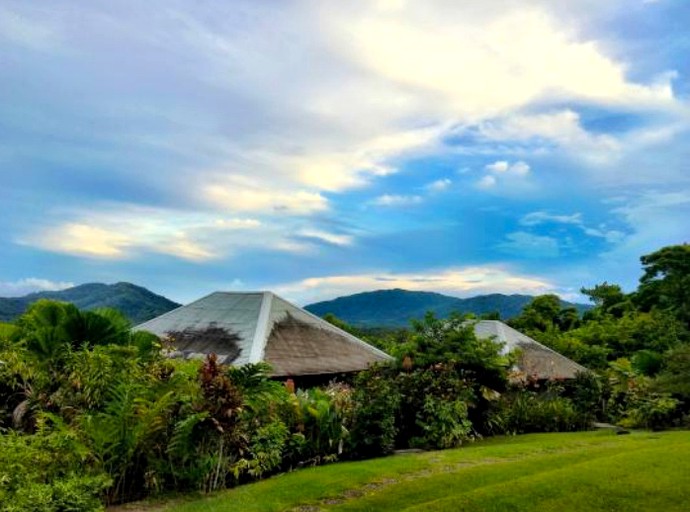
{"x":592,"y":471}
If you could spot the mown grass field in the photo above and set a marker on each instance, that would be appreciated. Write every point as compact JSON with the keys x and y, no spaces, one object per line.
{"x":591,"y":471}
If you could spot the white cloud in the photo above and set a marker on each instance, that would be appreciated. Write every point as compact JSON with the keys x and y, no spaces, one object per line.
{"x":612,"y":236}
{"x":654,"y":219}
{"x":122,"y":231}
{"x":396,"y":200}
{"x":528,"y":245}
{"x":29,"y":285}
{"x":322,"y":98}
{"x":537,"y":218}
{"x":463,"y":281}
{"x":237,"y":223}
{"x":274,"y":116}
{"x":439,"y":185}
{"x":487,"y":182}
{"x":238,"y":194}
{"x":502,"y":171}
{"x":455,"y":50}
{"x":561,"y":127}
{"x":331,"y":238}
{"x":519,"y":168}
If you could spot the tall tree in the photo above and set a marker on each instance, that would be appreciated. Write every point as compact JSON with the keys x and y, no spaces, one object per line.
{"x":608,"y":299}
{"x":665,"y":283}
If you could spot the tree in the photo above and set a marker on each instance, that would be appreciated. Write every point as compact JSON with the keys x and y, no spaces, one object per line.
{"x":540,"y":315}
{"x":665,"y":283}
{"x":608,"y":299}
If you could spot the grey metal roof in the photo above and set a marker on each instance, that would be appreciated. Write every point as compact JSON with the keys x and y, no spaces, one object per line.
{"x":252,"y":320}
{"x":535,"y":359}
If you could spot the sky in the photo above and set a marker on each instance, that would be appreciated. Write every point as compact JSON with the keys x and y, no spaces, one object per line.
{"x":322,"y":148}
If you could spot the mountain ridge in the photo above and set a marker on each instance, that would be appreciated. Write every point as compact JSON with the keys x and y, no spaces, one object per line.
{"x":378,"y":308}
{"x":395,"y":308}
{"x":136,"y":302}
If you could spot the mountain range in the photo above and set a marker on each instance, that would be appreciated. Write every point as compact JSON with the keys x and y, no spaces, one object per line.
{"x":395,"y":308}
{"x":382,"y":308}
{"x":135,"y":302}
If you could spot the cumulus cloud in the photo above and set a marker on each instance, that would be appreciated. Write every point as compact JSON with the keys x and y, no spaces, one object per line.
{"x":519,"y":168}
{"x":503,"y":171}
{"x":463,"y":281}
{"x":31,"y":284}
{"x":302,"y":99}
{"x":264,"y":115}
{"x":562,"y":128}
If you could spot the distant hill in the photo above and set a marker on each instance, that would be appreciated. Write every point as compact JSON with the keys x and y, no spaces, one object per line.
{"x":136,"y":302}
{"x":395,"y":308}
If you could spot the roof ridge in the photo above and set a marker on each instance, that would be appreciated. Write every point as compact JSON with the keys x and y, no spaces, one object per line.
{"x":261,"y":333}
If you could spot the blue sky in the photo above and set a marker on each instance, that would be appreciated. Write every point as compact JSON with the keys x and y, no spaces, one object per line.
{"x":324,"y":148}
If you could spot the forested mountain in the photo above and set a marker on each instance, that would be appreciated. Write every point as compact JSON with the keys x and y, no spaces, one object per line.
{"x":136,"y":302}
{"x":395,"y":308}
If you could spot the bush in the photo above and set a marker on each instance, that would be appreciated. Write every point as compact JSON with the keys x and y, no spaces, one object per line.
{"x":587,"y":392}
{"x":434,"y":410}
{"x":46,"y":471}
{"x":656,"y":412}
{"x":375,"y":402}
{"x":524,"y":411}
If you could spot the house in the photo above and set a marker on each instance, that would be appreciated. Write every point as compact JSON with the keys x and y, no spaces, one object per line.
{"x":535,"y":360}
{"x":251,"y":327}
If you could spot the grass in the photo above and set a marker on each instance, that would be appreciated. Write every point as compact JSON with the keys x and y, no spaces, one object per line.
{"x":591,"y":471}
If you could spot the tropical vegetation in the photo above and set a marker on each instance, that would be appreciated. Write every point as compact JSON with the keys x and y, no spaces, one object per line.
{"x":92,"y":413}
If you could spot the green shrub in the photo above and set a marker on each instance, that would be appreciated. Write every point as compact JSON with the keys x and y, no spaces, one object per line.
{"x":47,"y":471}
{"x":656,"y":412}
{"x":524,"y":411}
{"x":434,"y":407}
{"x":375,"y":402}
{"x":587,"y":392}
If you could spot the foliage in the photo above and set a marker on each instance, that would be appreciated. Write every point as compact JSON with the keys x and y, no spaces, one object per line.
{"x":136,"y":303}
{"x":46,"y":472}
{"x":375,"y":402}
{"x":665,"y":283}
{"x":609,"y":299}
{"x":90,"y":410}
{"x":393,"y":309}
{"x":522,"y":411}
{"x":675,"y":376}
{"x":655,"y":411}
{"x":453,"y":341}
{"x":434,"y":407}
{"x":588,"y":393}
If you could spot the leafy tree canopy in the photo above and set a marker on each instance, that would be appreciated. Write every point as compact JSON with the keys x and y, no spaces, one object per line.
{"x":665,"y":283}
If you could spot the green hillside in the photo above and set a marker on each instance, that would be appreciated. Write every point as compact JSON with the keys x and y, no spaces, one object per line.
{"x":136,"y":302}
{"x":395,"y":308}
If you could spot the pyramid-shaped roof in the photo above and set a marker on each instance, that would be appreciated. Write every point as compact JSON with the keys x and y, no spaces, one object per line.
{"x":251,"y":327}
{"x":536,"y":360}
